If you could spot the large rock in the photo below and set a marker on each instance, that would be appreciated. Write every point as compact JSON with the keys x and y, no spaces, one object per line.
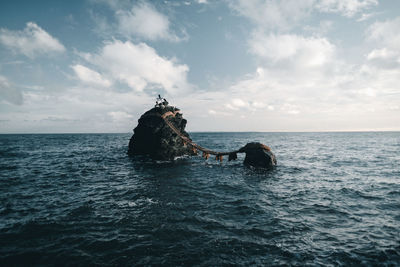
{"x":158,"y":139}
{"x":258,"y":155}
{"x":154,"y":138}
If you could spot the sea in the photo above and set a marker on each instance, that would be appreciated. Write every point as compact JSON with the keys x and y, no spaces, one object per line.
{"x":80,"y":200}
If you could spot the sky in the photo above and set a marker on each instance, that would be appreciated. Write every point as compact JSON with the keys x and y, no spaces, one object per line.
{"x":95,"y":66}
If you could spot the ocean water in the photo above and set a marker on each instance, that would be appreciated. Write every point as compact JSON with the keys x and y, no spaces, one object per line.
{"x":78,"y":199}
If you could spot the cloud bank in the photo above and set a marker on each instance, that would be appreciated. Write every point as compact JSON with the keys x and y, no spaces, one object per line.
{"x":297,"y":67}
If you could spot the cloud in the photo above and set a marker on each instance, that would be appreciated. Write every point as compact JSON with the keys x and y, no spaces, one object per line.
{"x":366,"y":16}
{"x":77,"y":109}
{"x":90,"y":76}
{"x":386,"y":37}
{"x":218,"y":113}
{"x":384,"y":58}
{"x":145,"y":21}
{"x":9,"y":93}
{"x":383,"y":53}
{"x":140,"y":67}
{"x":299,"y":80}
{"x":272,"y":13}
{"x":291,"y":48}
{"x":240,"y":104}
{"x":379,"y":76}
{"x":385,"y":32}
{"x":86,"y":107}
{"x":346,"y":8}
{"x":305,"y":77}
{"x":285,"y":15}
{"x":31,"y":41}
{"x":274,"y":100}
{"x":296,"y":74}
{"x":298,"y":77}
{"x":120,"y":116}
{"x":114,"y":4}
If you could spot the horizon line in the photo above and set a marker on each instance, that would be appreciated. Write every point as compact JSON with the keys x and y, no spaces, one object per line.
{"x":328,"y":131}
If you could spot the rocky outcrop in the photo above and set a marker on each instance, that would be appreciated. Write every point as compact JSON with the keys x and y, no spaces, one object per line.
{"x":258,"y":155}
{"x":161,"y":135}
{"x":154,"y":138}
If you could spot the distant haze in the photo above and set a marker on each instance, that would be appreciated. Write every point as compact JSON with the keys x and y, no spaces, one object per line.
{"x":240,"y":65}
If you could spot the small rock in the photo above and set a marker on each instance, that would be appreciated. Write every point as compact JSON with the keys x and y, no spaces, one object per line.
{"x":258,"y":155}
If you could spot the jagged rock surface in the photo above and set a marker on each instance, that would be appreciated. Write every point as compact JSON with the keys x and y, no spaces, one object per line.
{"x":154,"y":138}
{"x":258,"y":155}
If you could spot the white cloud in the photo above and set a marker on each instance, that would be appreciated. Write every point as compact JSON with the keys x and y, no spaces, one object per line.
{"x":326,"y":93}
{"x":237,"y":102}
{"x":77,"y":109}
{"x":296,"y":50}
{"x":273,"y":13}
{"x":386,"y":37}
{"x":31,"y":41}
{"x":88,"y":108}
{"x":140,"y":67}
{"x":120,"y":116}
{"x":386,"y":32}
{"x":347,"y":8}
{"x":90,"y":76}
{"x":290,"y":109}
{"x":240,"y":104}
{"x":9,"y":93}
{"x":218,"y":113}
{"x":366,"y":16}
{"x":145,"y":21}
{"x":338,"y":101}
{"x":383,"y":53}
{"x":284,"y":15}
{"x":302,"y":83}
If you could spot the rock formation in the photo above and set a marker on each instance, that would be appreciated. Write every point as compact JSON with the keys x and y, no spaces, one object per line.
{"x":161,"y":135}
{"x":154,"y":138}
{"x":258,"y":155}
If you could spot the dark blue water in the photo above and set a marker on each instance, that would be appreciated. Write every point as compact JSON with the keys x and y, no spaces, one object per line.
{"x":80,"y":200}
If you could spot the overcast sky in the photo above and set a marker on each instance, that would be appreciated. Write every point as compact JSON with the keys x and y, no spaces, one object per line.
{"x":262,"y":65}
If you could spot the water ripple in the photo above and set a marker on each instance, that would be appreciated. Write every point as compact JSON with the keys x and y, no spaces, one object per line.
{"x":333,"y":200}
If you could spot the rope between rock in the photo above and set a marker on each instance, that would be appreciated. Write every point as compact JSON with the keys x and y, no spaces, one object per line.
{"x":206,"y":152}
